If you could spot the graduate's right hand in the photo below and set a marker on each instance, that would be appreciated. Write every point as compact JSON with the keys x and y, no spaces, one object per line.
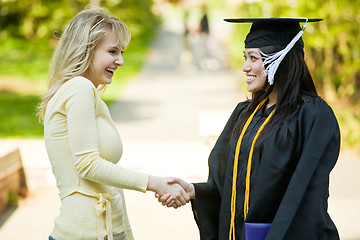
{"x":188,"y":187}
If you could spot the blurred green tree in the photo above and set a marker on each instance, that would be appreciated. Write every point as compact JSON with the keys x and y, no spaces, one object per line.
{"x":40,"y":19}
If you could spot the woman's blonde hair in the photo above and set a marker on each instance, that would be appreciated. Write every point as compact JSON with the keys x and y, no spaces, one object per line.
{"x":74,"y":52}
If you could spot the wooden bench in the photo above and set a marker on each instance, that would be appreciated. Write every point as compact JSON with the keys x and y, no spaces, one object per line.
{"x":12,"y":179}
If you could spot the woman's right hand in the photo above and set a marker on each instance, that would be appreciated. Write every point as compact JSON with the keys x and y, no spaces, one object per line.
{"x":174,"y":194}
{"x":188,"y":188}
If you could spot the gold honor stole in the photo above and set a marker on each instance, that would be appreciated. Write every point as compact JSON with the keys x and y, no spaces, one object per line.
{"x":235,"y":169}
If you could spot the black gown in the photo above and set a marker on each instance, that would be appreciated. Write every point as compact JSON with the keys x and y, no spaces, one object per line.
{"x":289,"y":185}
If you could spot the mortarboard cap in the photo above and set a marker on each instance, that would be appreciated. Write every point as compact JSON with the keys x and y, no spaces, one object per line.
{"x":274,"y":32}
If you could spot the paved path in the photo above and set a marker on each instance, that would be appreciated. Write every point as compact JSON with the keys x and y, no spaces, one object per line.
{"x":168,"y":118}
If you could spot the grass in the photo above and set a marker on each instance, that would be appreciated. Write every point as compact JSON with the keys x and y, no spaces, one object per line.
{"x":23,"y":73}
{"x":17,"y":115}
{"x":24,"y":60}
{"x":23,"y":70}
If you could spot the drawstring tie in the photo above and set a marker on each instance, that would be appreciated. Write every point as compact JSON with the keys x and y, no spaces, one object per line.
{"x":103,"y":211}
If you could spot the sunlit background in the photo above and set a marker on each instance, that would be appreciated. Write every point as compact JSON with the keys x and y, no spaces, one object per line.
{"x":30,"y":30}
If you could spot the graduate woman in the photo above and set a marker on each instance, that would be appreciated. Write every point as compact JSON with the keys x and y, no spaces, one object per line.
{"x":81,"y":140}
{"x":269,"y":169}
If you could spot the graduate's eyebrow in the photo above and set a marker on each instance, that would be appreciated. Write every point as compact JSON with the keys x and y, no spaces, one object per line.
{"x":251,"y":52}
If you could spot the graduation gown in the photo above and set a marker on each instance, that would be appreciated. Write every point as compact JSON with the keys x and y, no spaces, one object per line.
{"x":289,"y":185}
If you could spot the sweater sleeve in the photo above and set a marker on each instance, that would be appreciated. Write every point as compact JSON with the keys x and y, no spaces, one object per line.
{"x":83,"y":139}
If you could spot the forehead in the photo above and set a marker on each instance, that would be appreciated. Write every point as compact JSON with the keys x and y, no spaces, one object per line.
{"x":252,"y":51}
{"x":110,"y":39}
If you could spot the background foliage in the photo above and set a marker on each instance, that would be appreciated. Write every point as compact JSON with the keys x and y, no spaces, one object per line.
{"x":29,"y":30}
{"x":332,"y":51}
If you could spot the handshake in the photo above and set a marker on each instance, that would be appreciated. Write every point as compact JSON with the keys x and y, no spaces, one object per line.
{"x":171,"y":192}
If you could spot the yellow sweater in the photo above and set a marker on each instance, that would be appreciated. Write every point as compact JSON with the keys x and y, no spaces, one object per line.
{"x":84,"y":146}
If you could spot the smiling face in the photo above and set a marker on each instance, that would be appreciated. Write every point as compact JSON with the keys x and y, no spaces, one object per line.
{"x":106,"y":59}
{"x":254,"y":69}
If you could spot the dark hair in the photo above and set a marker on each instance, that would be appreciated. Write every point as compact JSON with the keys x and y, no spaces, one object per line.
{"x":292,"y":82}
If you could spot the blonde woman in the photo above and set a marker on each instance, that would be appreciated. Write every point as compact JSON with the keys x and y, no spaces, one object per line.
{"x":82,"y":142}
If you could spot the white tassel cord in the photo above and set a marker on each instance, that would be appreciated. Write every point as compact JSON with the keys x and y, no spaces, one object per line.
{"x":274,"y":59}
